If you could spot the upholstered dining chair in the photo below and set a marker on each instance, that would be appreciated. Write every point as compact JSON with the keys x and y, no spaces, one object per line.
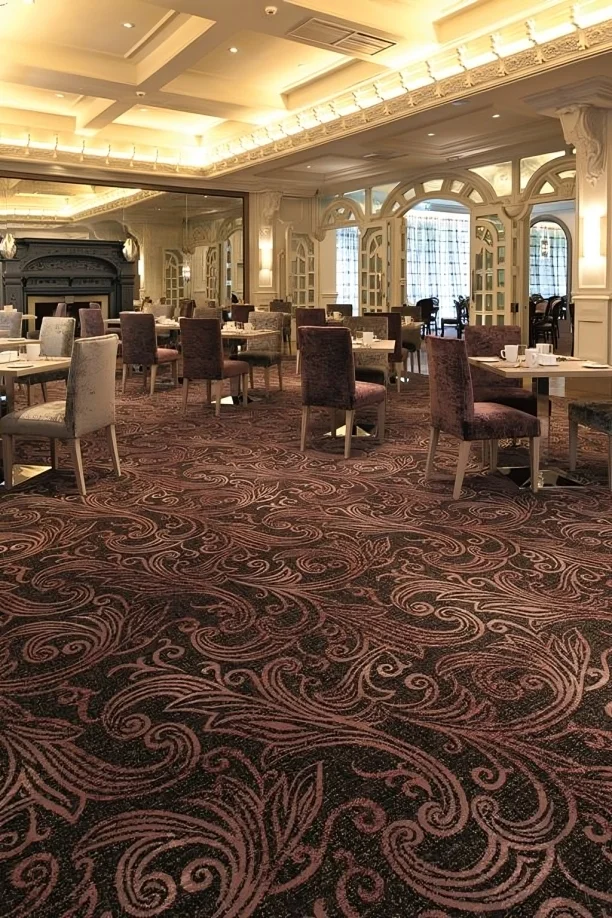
{"x":306,"y":316}
{"x":91,"y":322}
{"x":284,"y":306}
{"x":488,"y":341}
{"x":10,"y":324}
{"x":345,"y":309}
{"x":56,"y":340}
{"x":240,"y":312}
{"x":203,"y":359}
{"x":186,"y":308}
{"x":370,"y":365}
{"x":398,"y":360}
{"x":454,"y":412}
{"x":264,"y":352}
{"x":328,"y":381}
{"x":89,"y":406}
{"x":597,"y":416}
{"x":208,"y":312}
{"x":139,"y":346}
{"x":429,"y":314}
{"x":60,"y":312}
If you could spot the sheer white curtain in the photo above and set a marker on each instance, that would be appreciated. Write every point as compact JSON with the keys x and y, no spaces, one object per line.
{"x":547,"y":260}
{"x":438,"y":257}
{"x":347,"y":266}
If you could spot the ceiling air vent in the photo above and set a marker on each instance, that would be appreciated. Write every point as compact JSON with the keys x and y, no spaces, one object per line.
{"x":340,"y":38}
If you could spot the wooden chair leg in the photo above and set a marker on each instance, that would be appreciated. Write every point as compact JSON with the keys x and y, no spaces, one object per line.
{"x":493,"y":455}
{"x":462,"y":462}
{"x":350,"y":418}
{"x":398,"y":376}
{"x":267,"y":381}
{"x":418,"y":355}
{"x":175,"y":372}
{"x":304,"y":431}
{"x":380,"y":421}
{"x":124,"y":373}
{"x":208,"y":391}
{"x":111,"y":436}
{"x":412,"y":361}
{"x":534,"y":462}
{"x":251,"y":378}
{"x":573,"y":444}
{"x":7,"y":460}
{"x":53,"y":444}
{"x":434,"y":436}
{"x":297,"y":364}
{"x":245,"y":390}
{"x":43,"y":388}
{"x":186,"y":393}
{"x":153,"y":378}
{"x":77,"y":462}
{"x":218,"y":389}
{"x":28,"y":394}
{"x":280,"y":376}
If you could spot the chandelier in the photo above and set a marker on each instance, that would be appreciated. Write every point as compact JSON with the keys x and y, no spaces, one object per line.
{"x":545,"y":247}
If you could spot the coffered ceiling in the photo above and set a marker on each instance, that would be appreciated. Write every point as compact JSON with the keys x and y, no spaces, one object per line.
{"x":195,"y":86}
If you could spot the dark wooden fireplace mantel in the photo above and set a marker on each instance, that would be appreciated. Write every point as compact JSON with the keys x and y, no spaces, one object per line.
{"x":69,"y":268}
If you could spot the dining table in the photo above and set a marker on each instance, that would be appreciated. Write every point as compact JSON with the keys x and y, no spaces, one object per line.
{"x":12,"y":344}
{"x":541,"y":375}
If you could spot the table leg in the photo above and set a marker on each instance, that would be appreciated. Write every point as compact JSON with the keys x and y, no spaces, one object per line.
{"x":541,"y":389}
{"x":9,"y":384}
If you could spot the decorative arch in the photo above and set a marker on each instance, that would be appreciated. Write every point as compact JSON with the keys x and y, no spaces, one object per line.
{"x":469,"y":189}
{"x":341,"y":212}
{"x":554,"y":181}
{"x":552,"y":218}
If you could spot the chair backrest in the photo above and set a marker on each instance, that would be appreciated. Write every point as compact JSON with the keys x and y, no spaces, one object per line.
{"x":186,"y":308}
{"x":310,"y":317}
{"x":327,"y":368}
{"x":487,"y":341}
{"x":61,"y":311}
{"x":240,"y":312}
{"x":90,"y":399}
{"x":208,"y":312}
{"x":345,"y":309}
{"x":272,"y":321}
{"x":91,"y":322}
{"x":202,"y":348}
{"x":377,"y":324}
{"x":427,"y":307}
{"x":450,"y":385}
{"x":138,"y":341}
{"x":10,"y":322}
{"x":280,"y":306}
{"x":159,"y":310}
{"x":56,"y":336}
{"x":394,"y":332}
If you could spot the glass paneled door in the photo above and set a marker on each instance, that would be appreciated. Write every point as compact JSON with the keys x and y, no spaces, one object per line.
{"x":490,"y":288}
{"x":373,"y":274}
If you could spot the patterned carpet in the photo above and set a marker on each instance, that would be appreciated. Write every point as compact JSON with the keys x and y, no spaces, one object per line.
{"x":241,"y":681}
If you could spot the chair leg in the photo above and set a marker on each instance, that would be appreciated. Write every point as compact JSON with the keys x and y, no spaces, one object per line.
{"x":297,"y":364}
{"x":462,"y":461}
{"x":43,"y":388}
{"x":186,"y":393}
{"x":280,"y":375}
{"x":245,"y":390}
{"x":304,"y":431}
{"x":267,"y":381}
{"x":534,"y":462}
{"x":434,"y":436}
{"x":251,"y":379}
{"x":398,"y":376}
{"x":418,"y":353}
{"x":412,"y":361}
{"x":145,"y":377}
{"x":380,"y":421}
{"x":175,"y":372}
{"x":217,"y":396}
{"x":124,"y":373}
{"x":53,"y":444}
{"x":610,"y":463}
{"x":573,"y":444}
{"x":77,"y":462}
{"x":493,"y":455}
{"x":111,"y":436}
{"x":153,"y":378}
{"x":208,"y":391}
{"x":28,"y":394}
{"x":350,"y":418}
{"x":7,"y":460}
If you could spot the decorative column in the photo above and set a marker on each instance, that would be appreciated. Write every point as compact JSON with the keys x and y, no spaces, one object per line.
{"x":589,"y":128}
{"x":263,"y":263}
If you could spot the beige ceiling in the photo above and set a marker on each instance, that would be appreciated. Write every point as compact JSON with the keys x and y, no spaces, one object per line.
{"x":74,"y":73}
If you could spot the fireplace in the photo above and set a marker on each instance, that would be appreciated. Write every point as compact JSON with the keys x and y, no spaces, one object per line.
{"x":76,"y":272}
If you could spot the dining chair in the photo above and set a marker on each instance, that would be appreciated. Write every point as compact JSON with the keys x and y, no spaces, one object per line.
{"x":398,"y":360}
{"x":429,"y":314}
{"x":208,"y":312}
{"x":264,"y":352}
{"x":454,"y":412}
{"x":139,"y":347}
{"x":488,"y":341}
{"x":186,"y":308}
{"x":304,"y":316}
{"x":203,"y":359}
{"x":10,"y":324}
{"x":284,"y":307}
{"x":91,"y":322}
{"x":56,"y":340}
{"x":89,"y":406}
{"x":597,"y":416}
{"x":370,"y":365}
{"x":328,"y":381}
{"x":240,"y":312}
{"x":345,"y":309}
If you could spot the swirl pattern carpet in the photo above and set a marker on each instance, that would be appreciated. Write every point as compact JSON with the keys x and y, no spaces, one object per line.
{"x":241,"y":681}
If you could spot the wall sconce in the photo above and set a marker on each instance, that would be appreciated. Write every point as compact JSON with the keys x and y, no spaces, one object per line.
{"x":266,"y":256}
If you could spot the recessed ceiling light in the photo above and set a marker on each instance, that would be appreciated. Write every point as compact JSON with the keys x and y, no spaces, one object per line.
{"x":431,"y":134}
{"x":60,"y":95}
{"x":144,"y":109}
{"x":140,"y":93}
{"x":459,"y":102}
{"x":128,"y":25}
{"x":309,"y":167}
{"x":496,"y":116}
{"x":233,"y":50}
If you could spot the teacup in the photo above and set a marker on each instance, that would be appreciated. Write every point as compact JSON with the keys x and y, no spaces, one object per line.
{"x":510,"y":353}
{"x":543,"y":348}
{"x":33,"y":350}
{"x":336,"y":315}
{"x":368,"y":337}
{"x":531,"y":357}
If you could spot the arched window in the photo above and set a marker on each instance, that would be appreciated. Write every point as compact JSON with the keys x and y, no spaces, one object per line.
{"x":548,"y":258}
{"x":347,"y":266}
{"x":173,"y":278}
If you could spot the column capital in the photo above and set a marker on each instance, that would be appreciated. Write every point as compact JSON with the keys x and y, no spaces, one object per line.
{"x":584,"y":126}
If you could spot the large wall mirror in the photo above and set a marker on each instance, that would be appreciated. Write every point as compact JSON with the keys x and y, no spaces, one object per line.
{"x":121,"y":247}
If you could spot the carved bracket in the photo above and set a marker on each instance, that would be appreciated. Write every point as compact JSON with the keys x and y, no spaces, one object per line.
{"x":584,"y":128}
